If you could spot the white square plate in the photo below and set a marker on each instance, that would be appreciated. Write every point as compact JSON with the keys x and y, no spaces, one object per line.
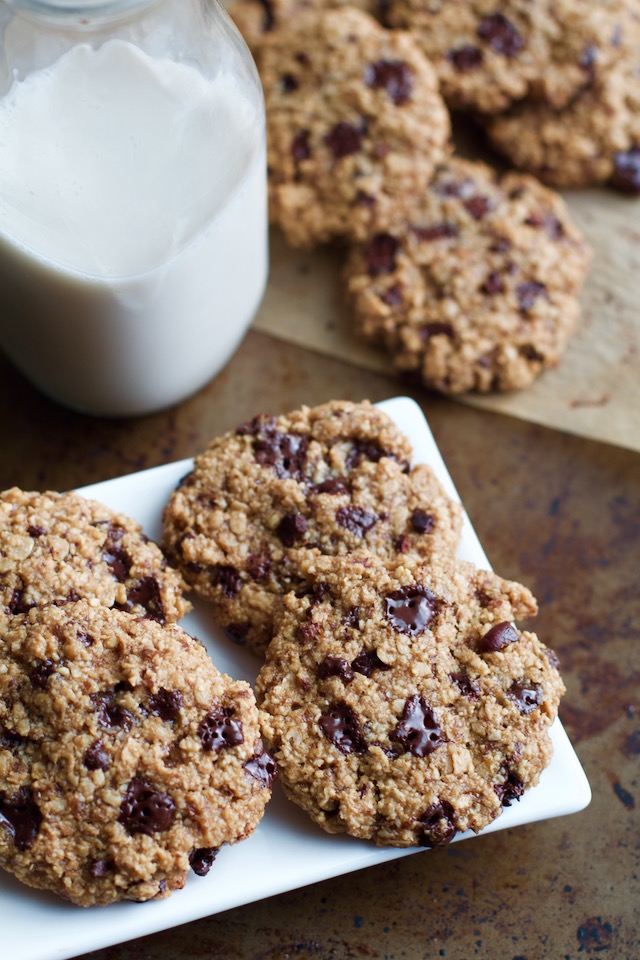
{"x":286,"y":851}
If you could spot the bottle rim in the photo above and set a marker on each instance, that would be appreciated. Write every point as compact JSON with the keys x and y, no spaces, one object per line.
{"x":76,"y":8}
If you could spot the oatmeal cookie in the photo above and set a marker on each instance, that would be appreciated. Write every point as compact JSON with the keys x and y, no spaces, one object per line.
{"x":476,"y":288}
{"x":60,"y":547}
{"x":489,"y":55}
{"x":126,"y":758}
{"x":355,"y":124}
{"x":401,"y":703}
{"x":330,"y":478}
{"x":595,"y":139}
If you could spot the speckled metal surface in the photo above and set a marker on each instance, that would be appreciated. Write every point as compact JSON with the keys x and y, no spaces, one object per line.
{"x":559,"y":513}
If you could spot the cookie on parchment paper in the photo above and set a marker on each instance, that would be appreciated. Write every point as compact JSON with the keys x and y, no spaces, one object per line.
{"x":355,"y":124}
{"x":126,"y":758}
{"x":476,"y":286}
{"x":331,"y":478}
{"x":61,"y":547}
{"x":489,"y":55}
{"x":401,"y":703}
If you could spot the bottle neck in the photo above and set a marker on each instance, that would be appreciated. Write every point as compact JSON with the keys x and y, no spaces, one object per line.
{"x":79,"y":13}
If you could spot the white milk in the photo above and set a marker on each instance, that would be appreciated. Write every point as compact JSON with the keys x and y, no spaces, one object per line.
{"x":133,"y":233}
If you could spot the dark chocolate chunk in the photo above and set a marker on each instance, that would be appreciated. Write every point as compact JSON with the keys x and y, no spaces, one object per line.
{"x":17,"y":603}
{"x":111,"y":713}
{"x":477,"y":207}
{"x":35,"y":531}
{"x":626,"y":175}
{"x":286,"y":453}
{"x":466,"y":59}
{"x":291,"y":529}
{"x":500,"y":34}
{"x":493,"y":284}
{"x":528,"y":292}
{"x":300,"y":146}
{"x":166,"y":704}
{"x":115,"y":556}
{"x":100,"y":868}
{"x":201,"y":860}
{"x":237,"y":632}
{"x":438,"y":825}
{"x":227,"y":578}
{"x":368,"y":661}
{"x":392,"y":296}
{"x":527,"y":695}
{"x":343,"y":140}
{"x":421,"y":521}
{"x":219,"y":729}
{"x":96,"y":757}
{"x":497,"y":638}
{"x":356,"y":520}
{"x":335,"y":667}
{"x":419,"y":731}
{"x":21,"y":815}
{"x":41,"y":673}
{"x":394,"y":76}
{"x":410,"y":609}
{"x":511,"y":788}
{"x":262,"y":767}
{"x":289,"y":83}
{"x":435,"y":231}
{"x":259,"y":564}
{"x":334,"y":486}
{"x":352,"y":617}
{"x":468,"y":688}
{"x":380,"y":254}
{"x":145,"y":809}
{"x":341,"y":727}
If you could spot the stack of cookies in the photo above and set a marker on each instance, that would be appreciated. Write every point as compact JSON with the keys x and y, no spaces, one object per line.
{"x":126,"y":758}
{"x":469,"y":281}
{"x":399,"y":700}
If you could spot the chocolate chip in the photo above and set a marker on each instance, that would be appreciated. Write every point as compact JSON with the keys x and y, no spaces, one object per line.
{"x":96,"y":757}
{"x":392,"y":296}
{"x":380,"y":254}
{"x":262,"y":767}
{"x":511,"y":788}
{"x":419,"y":731}
{"x":365,"y":450}
{"x":335,"y":667}
{"x":219,"y":729}
{"x":552,"y":226}
{"x":352,"y":617}
{"x":201,"y":860}
{"x":368,"y":661}
{"x":145,"y":810}
{"x":300,"y":147}
{"x":466,"y":59}
{"x":166,"y":704}
{"x":286,"y":453}
{"x":262,"y":422}
{"x":468,"y":688}
{"x":436,"y":329}
{"x":100,"y":868}
{"x":410,"y":609}
{"x":626,"y":175}
{"x":422,"y":522}
{"x":110,"y":713}
{"x":528,"y":292}
{"x":493,"y":284}
{"x":478,"y":207}
{"x":527,"y":695}
{"x":402,"y":544}
{"x":227,"y":578}
{"x":552,"y":657}
{"x":115,"y":556}
{"x":146,"y":592}
{"x":259,"y":564}
{"x":333,"y":486}
{"x":343,"y":140}
{"x":35,"y":531}
{"x":394,"y":76}
{"x":365,"y":199}
{"x":291,"y":529}
{"x":17,"y":603}
{"x":497,"y":638}
{"x":316,"y":591}
{"x":341,"y":727}
{"x":237,"y":632}
{"x":307,"y":633}
{"x":438,"y":825}
{"x":436,"y":231}
{"x":21,"y":815}
{"x":289,"y":83}
{"x":9,"y":739}
{"x":84,"y":638}
{"x":500,"y":34}
{"x":356,"y":520}
{"x":41,"y":673}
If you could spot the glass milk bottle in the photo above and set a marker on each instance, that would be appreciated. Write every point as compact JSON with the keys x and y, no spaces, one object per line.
{"x":133,"y":213}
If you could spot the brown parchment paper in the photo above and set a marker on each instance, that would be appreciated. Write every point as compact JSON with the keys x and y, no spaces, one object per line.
{"x":595,"y":392}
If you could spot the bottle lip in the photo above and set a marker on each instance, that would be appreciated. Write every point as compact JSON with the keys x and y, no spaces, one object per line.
{"x":65,"y":9}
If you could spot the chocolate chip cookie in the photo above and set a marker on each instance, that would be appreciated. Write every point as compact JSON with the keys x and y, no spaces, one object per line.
{"x":355,"y":124}
{"x":401,"y":703}
{"x":126,"y":758}
{"x":595,"y":139}
{"x":489,"y":55}
{"x":330,"y":478}
{"x":476,"y":287}
{"x":58,"y":548}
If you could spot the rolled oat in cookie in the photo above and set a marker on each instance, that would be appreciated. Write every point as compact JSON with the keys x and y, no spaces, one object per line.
{"x":489,"y":55}
{"x":330,"y":479}
{"x":475,"y":287}
{"x":400,"y":701}
{"x":126,"y":759}
{"x":60,"y":547}
{"x":355,"y":124}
